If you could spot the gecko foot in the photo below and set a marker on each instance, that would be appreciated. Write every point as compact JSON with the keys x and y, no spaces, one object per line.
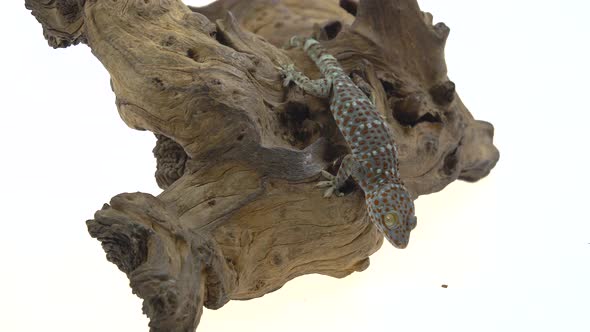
{"x":287,"y":71}
{"x":330,"y":184}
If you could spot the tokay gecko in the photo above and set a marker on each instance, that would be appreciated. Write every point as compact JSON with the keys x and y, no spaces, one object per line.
{"x":373,"y":161}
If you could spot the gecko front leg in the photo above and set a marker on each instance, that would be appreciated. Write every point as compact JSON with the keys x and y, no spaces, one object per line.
{"x":348,"y":167}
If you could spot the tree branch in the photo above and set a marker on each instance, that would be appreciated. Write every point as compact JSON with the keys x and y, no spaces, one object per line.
{"x":239,"y":155}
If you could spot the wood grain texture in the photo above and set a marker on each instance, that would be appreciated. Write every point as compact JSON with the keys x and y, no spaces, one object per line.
{"x":239,"y":155}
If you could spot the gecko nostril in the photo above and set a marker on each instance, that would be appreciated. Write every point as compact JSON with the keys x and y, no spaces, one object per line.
{"x":413,"y":223}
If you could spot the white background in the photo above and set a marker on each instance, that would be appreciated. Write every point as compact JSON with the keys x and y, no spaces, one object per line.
{"x":513,"y":248}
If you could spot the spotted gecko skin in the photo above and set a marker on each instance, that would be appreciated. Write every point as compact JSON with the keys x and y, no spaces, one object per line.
{"x":373,"y":162}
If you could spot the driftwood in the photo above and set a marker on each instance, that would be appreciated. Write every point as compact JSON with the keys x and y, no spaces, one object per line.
{"x":239,"y":155}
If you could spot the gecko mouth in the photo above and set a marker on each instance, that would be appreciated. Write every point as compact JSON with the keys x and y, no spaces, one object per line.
{"x":401,"y":245}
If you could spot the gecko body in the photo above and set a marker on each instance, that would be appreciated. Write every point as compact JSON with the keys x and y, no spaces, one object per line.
{"x":373,"y":161}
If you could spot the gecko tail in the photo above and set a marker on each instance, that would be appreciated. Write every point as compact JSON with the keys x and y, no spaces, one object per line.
{"x":323,"y":60}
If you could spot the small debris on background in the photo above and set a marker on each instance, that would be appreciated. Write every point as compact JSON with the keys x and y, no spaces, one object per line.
{"x":444,"y":286}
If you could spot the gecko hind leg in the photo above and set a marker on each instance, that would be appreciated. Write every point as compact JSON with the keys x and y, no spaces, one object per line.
{"x":348,"y":167}
{"x":330,"y":184}
{"x":362,"y":84}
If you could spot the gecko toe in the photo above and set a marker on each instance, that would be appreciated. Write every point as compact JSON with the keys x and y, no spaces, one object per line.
{"x":327,"y":175}
{"x":324,"y":184}
{"x":329,"y":192}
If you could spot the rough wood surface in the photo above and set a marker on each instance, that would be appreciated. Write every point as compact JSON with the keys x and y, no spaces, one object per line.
{"x":238,"y":155}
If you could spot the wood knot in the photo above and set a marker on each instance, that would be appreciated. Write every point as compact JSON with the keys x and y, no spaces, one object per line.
{"x":350,"y":6}
{"x":442,"y":31}
{"x":332,"y":29}
{"x":413,"y":109}
{"x":443,"y":93}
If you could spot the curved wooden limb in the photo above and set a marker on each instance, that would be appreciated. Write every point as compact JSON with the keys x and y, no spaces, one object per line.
{"x":239,"y":155}
{"x":174,"y":271}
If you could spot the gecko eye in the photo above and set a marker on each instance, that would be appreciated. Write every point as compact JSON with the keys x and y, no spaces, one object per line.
{"x":392,"y":220}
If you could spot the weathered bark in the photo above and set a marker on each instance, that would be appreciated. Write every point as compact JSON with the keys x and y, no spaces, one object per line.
{"x":239,"y":155}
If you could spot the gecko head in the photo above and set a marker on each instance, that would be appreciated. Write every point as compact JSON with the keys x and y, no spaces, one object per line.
{"x":391,"y":208}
